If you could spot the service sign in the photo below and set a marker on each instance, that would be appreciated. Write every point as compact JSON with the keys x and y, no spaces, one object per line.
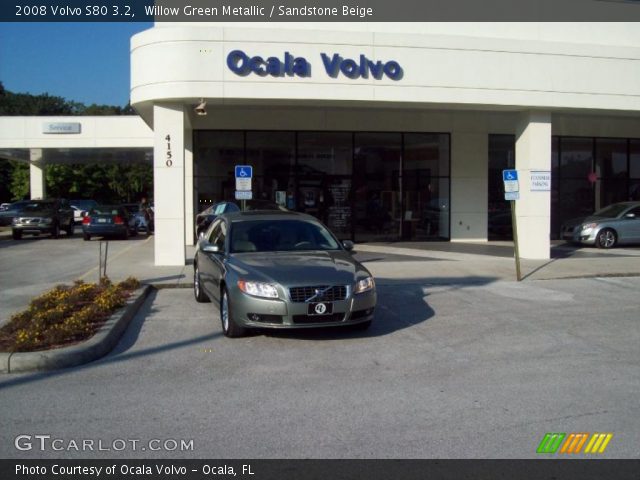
{"x":541,"y":181}
{"x":61,"y":127}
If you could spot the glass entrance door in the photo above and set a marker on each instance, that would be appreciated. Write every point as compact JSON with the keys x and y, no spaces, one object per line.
{"x":376,"y":186}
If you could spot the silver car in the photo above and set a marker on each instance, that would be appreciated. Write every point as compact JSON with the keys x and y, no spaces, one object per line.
{"x":270,"y":269}
{"x":616,"y":224}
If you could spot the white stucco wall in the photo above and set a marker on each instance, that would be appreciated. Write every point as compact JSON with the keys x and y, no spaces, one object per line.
{"x":542,"y":69}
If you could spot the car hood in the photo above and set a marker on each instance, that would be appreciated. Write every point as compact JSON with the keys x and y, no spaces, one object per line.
{"x":574,"y":222}
{"x":35,"y":213}
{"x":298,"y":268}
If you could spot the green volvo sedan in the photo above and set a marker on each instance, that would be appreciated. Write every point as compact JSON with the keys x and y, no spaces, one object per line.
{"x":270,"y":269}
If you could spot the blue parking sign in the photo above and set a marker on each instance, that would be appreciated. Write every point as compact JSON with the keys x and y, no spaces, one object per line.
{"x":508,"y":175}
{"x":244,"y":171}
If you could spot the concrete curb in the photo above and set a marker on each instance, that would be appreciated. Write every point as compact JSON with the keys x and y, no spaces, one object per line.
{"x":97,"y":346}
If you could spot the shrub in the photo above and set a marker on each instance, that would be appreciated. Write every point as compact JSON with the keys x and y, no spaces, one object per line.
{"x":64,"y":315}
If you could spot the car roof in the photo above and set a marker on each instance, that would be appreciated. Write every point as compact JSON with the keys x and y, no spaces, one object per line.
{"x":267,"y":215}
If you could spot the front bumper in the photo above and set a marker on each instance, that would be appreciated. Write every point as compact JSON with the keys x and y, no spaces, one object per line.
{"x":39,"y":227}
{"x":577,"y":235}
{"x":254,"y":312}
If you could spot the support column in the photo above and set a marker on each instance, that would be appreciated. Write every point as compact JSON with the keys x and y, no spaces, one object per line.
{"x":533,"y":210}
{"x":469,"y":172}
{"x":37,"y":181}
{"x":189,"y":217}
{"x":168,"y":183}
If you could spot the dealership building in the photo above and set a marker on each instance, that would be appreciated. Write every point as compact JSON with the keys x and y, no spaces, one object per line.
{"x":384,"y":131}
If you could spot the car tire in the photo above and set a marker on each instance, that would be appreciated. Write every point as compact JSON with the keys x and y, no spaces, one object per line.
{"x":16,"y":234}
{"x":606,"y":238}
{"x":55,"y":231}
{"x":201,"y":297}
{"x":71,"y":229}
{"x":86,"y":237}
{"x":229,"y":327}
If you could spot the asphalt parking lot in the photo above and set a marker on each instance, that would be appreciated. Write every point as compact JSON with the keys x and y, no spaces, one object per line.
{"x":456,"y":370}
{"x":35,"y":264}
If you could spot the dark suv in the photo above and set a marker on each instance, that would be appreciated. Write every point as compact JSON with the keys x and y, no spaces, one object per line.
{"x":44,"y":216}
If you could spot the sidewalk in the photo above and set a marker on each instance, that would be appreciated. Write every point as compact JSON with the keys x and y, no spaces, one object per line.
{"x":436,"y":261}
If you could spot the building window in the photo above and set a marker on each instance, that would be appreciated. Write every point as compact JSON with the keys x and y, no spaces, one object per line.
{"x":363,"y":185}
{"x":501,"y":157}
{"x":587,"y":174}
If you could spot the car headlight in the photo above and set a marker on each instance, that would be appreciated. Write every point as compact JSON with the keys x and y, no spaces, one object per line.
{"x":258,"y":289}
{"x":588,"y":226}
{"x":15,"y":220}
{"x":364,"y":285}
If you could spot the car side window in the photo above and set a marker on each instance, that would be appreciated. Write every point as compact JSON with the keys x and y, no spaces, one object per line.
{"x":635,"y":211}
{"x":218,"y":234}
{"x":220,"y":238}
{"x":214,"y":230}
{"x":219,"y":209}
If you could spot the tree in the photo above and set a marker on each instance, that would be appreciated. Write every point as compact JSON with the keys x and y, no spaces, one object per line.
{"x":105,"y":183}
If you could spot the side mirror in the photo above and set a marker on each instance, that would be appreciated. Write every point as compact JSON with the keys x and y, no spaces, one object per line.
{"x":208,"y":248}
{"x":348,"y":245}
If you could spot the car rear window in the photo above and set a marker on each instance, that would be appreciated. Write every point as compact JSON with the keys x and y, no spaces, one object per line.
{"x":105,"y":210}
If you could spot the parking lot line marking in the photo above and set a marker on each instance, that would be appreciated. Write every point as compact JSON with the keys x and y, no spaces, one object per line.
{"x":118,"y":255}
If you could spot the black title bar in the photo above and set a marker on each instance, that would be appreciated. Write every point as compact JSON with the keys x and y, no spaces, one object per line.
{"x":319,"y":10}
{"x":544,"y":469}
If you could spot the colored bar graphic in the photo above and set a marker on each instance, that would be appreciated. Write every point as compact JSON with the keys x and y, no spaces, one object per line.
{"x":598,"y":443}
{"x":574,"y":443}
{"x":551,"y":442}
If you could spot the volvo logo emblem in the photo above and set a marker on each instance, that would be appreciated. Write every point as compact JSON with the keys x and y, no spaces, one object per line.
{"x":320,"y":308}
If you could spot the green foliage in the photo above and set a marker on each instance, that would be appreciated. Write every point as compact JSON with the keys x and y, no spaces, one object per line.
{"x":19,"y":184}
{"x":104,"y":183}
{"x":64,"y":315}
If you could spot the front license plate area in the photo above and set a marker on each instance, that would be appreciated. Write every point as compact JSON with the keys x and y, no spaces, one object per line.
{"x":320,"y":308}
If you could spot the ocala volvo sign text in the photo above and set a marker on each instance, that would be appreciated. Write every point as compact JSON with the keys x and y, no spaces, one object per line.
{"x":291,"y":66}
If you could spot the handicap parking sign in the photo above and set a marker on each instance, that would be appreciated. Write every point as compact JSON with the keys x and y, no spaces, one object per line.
{"x":244,"y":171}
{"x":509,"y":175}
{"x":510,"y":178}
{"x":243,"y":177}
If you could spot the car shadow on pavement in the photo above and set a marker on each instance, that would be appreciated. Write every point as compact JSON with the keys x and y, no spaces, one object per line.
{"x":402,"y":303}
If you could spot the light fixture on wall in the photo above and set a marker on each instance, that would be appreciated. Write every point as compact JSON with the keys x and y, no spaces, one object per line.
{"x":201,"y":108}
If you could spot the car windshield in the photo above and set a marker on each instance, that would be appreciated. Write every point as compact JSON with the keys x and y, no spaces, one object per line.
{"x":35,"y":206}
{"x":280,"y":236}
{"x":611,"y":211}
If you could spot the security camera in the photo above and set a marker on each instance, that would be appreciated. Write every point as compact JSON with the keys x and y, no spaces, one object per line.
{"x":201,"y":108}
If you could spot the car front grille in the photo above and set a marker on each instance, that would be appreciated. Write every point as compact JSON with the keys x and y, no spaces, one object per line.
{"x":334,"y":317}
{"x":29,"y":220}
{"x":305,"y":294}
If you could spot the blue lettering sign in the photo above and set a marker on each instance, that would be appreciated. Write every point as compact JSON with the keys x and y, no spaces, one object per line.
{"x":352,"y":69}
{"x":241,"y":64}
